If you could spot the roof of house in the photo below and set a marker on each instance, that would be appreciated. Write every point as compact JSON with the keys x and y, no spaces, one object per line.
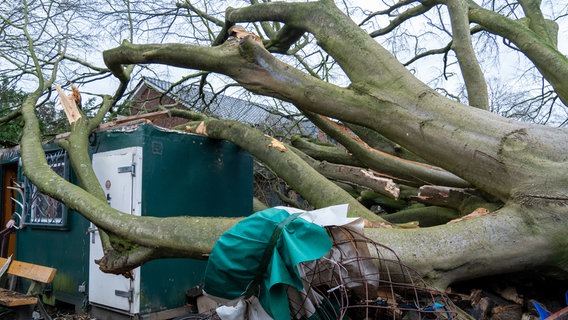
{"x":220,"y":106}
{"x":223,"y":106}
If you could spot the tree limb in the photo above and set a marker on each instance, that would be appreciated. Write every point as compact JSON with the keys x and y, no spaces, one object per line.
{"x":313,"y":187}
{"x":552,"y":64}
{"x":426,"y":216}
{"x":284,"y":39}
{"x":404,"y":171}
{"x":537,"y":22}
{"x":359,"y":176}
{"x":471,"y":71}
{"x":11,"y":116}
{"x":379,"y":142}
{"x":404,"y":110}
{"x":320,"y":152}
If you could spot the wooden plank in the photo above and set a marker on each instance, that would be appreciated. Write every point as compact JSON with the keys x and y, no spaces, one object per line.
{"x":30,"y":271}
{"x":13,"y":299}
{"x":168,"y":314}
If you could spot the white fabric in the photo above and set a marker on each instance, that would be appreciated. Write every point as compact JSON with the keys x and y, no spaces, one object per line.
{"x":244,"y":309}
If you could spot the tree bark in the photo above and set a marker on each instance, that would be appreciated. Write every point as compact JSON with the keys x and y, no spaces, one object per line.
{"x":550,"y":62}
{"x":331,"y":154}
{"x":314,"y":187}
{"x":512,"y":161}
{"x":471,"y":70}
{"x":511,"y":239}
{"x":521,"y":165}
{"x":487,"y":150}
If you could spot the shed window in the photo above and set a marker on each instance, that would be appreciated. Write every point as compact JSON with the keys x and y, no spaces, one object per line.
{"x":41,"y":209}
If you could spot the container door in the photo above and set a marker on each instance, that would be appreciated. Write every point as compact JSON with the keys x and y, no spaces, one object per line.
{"x":119,"y":173}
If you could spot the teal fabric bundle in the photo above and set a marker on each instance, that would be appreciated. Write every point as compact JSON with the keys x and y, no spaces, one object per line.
{"x":259,"y":256}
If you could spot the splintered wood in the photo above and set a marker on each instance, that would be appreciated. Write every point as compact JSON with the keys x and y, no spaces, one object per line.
{"x":13,"y":299}
{"x":70,"y":103}
{"x":241,"y":33}
{"x":276,"y":145}
{"x":201,"y":129}
{"x":388,"y":185}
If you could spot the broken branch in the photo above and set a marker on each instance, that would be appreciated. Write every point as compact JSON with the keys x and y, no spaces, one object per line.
{"x":70,"y":103}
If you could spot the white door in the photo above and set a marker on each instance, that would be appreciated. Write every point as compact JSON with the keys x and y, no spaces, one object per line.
{"x":119,"y":173}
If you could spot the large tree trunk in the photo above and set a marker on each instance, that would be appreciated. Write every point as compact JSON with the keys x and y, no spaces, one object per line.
{"x":521,"y":165}
{"x":514,"y":238}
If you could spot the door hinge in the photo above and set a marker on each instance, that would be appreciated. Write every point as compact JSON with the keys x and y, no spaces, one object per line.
{"x":131,"y":168}
{"x":125,"y":294}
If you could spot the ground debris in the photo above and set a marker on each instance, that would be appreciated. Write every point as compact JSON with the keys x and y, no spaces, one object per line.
{"x":74,"y":317}
{"x":511,"y":296}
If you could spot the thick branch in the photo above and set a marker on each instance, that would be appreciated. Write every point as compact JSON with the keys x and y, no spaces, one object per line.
{"x":10,"y":116}
{"x":286,"y":37}
{"x":537,"y":23}
{"x":313,"y":187}
{"x":331,"y":154}
{"x":77,"y":144}
{"x":550,"y":62}
{"x":471,"y":70}
{"x":425,"y":216}
{"x":405,"y":171}
{"x":355,"y":175}
{"x":524,"y":237}
{"x":379,"y":142}
{"x":484,"y":148}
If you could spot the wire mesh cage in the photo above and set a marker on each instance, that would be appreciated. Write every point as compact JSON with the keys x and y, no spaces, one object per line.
{"x":361,"y":279}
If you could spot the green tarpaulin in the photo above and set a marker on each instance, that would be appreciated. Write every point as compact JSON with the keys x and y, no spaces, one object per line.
{"x":238,"y":255}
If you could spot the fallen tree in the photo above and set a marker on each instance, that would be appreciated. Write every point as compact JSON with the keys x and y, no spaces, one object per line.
{"x":518,"y":169}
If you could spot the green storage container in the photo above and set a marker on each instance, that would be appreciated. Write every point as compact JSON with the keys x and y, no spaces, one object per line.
{"x":180,"y":174}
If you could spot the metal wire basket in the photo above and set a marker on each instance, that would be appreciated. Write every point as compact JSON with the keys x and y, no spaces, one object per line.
{"x":361,"y":279}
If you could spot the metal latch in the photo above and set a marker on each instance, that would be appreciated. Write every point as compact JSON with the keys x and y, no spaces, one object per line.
{"x":131,"y":168}
{"x":125,"y":294}
{"x":92,"y":231}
